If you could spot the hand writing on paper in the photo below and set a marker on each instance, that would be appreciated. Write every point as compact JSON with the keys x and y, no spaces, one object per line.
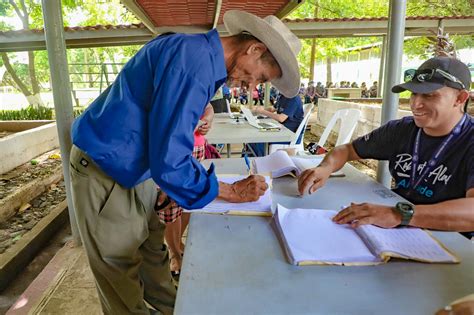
{"x":313,"y":179}
{"x":368,"y":213}
{"x":245,"y":190}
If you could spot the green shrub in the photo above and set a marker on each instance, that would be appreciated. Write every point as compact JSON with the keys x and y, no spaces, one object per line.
{"x":29,"y":113}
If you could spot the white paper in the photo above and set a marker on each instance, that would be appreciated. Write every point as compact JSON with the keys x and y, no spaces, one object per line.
{"x":310,"y":235}
{"x":220,"y":206}
{"x":407,"y":242}
{"x":278,"y":163}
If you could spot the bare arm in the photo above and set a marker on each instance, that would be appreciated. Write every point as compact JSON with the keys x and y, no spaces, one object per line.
{"x":207,"y":118}
{"x":450,"y":215}
{"x":313,"y":179}
{"x":278,"y":117}
{"x":245,"y":190}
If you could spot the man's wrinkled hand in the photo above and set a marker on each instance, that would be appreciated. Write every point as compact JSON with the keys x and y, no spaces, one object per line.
{"x":368,"y":213}
{"x":312,"y":179}
{"x":248,"y":189}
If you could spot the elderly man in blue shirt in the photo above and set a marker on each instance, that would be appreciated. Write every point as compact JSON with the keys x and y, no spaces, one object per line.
{"x":140,"y":132}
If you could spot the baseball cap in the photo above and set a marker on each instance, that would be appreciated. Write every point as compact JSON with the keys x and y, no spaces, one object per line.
{"x":434,"y":74}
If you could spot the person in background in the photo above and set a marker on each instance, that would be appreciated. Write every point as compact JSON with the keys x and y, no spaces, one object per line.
{"x":261,"y":93}
{"x":318,"y":92}
{"x":301,"y":92}
{"x":255,"y":95}
{"x":174,"y":230}
{"x":364,"y":93}
{"x":354,"y":85}
{"x":274,"y":94}
{"x":139,"y":133}
{"x":235,"y":93}
{"x":287,"y":111}
{"x":243,"y":98}
{"x":226,"y":92}
{"x":308,"y":97}
{"x":373,"y":90}
{"x":430,"y":154}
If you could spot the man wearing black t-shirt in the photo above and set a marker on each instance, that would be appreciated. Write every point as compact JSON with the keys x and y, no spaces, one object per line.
{"x":431,"y":155}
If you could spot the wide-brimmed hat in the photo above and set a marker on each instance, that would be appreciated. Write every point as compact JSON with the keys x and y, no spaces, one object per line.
{"x":428,"y":78}
{"x":280,"y":41}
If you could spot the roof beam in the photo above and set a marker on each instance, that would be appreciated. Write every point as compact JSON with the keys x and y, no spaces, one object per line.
{"x":28,"y":40}
{"x":217,"y":13}
{"x":311,"y":29}
{"x":140,"y":14}
{"x":288,"y":8}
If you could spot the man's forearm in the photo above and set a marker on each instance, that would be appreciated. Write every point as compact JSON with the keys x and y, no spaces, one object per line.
{"x":450,"y":215}
{"x":337,"y":157}
{"x":278,"y":117}
{"x":226,"y":192}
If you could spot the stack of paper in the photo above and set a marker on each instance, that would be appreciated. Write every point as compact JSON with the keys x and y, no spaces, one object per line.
{"x":261,"y":207}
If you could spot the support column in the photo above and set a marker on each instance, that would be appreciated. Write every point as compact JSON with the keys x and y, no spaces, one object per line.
{"x":396,"y":32}
{"x":266,"y":99}
{"x":56,"y":46}
{"x":382,"y":65}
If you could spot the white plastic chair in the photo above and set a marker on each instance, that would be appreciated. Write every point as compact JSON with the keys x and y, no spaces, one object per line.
{"x":349,"y":118}
{"x":307,"y":109}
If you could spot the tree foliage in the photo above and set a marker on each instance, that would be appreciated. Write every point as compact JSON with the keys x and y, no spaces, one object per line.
{"x":336,"y":47}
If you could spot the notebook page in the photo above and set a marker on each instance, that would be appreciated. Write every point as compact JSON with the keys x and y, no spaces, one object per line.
{"x":220,"y":206}
{"x":304,"y":163}
{"x":311,"y":235}
{"x":407,"y":242}
{"x":278,"y":164}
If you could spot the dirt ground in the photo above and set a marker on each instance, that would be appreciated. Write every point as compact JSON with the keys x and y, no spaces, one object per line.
{"x":14,"y":228}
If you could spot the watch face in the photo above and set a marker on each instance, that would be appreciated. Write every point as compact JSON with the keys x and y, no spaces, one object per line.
{"x":405,"y":207}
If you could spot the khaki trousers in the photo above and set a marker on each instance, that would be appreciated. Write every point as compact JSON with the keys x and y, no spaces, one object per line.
{"x":123,"y":238}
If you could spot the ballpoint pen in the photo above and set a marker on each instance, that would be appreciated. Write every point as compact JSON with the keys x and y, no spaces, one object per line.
{"x":247,"y":161}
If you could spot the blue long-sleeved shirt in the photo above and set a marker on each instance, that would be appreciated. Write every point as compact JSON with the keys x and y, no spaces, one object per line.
{"x":142,"y":125}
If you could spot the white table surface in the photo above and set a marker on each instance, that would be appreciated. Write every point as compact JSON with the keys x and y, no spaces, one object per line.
{"x":226,"y":130}
{"x":235,"y":265}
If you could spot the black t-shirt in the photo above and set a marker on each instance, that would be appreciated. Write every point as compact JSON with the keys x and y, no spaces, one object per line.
{"x":449,"y":179}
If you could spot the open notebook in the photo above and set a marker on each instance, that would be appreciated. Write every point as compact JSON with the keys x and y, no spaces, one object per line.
{"x":310,"y":237}
{"x":279,"y":163}
{"x":261,"y":207}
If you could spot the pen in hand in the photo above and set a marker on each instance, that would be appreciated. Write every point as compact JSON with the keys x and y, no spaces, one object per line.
{"x":247,"y":162}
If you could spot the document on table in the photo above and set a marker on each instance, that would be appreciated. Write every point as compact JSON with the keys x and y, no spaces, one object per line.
{"x":279,"y":164}
{"x":310,"y":237}
{"x":261,"y":207}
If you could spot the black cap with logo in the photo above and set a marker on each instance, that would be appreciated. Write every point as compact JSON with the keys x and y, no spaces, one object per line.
{"x":436,"y":73}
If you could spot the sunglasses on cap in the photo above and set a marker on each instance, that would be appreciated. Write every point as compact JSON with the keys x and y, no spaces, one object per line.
{"x":429,"y":74}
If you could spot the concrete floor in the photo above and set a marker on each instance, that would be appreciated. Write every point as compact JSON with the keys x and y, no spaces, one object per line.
{"x":66,"y":284}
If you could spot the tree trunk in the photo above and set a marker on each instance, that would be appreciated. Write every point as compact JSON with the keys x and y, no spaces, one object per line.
{"x":20,"y":85}
{"x":328,"y":70}
{"x":32,"y":71}
{"x":33,"y":98}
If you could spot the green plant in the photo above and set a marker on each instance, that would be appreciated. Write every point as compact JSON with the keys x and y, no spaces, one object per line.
{"x":29,"y":113}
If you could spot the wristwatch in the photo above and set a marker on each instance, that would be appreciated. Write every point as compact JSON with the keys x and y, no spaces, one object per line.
{"x":406,"y":210}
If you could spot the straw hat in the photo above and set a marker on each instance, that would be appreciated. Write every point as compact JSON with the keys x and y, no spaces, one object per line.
{"x":280,"y":41}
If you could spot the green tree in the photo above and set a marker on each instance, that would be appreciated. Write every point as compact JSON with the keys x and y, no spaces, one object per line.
{"x":27,"y":77}
{"x":329,"y":48}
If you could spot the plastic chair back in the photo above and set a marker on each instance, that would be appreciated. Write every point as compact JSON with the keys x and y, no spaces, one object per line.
{"x":307,"y":109}
{"x":349,"y":118}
